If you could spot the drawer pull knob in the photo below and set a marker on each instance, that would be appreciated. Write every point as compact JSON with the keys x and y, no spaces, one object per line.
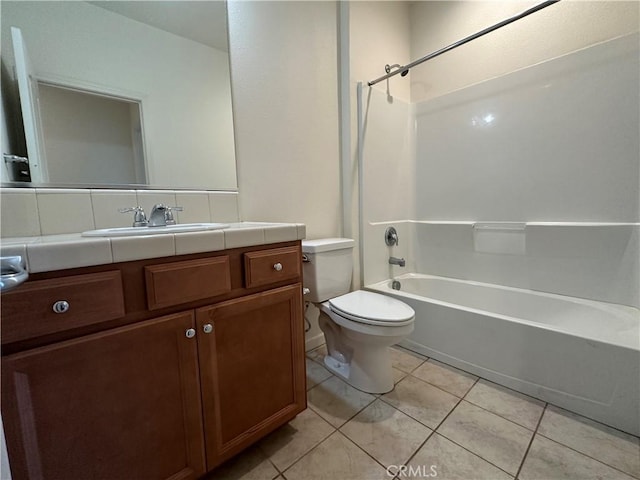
{"x":61,"y":306}
{"x":208,"y":328}
{"x":278,"y":267}
{"x":190,"y":333}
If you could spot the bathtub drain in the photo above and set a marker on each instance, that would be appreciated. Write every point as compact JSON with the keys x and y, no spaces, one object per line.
{"x":395,"y":285}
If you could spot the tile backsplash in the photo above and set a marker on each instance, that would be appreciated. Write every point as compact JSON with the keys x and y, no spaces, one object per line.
{"x":29,"y":212}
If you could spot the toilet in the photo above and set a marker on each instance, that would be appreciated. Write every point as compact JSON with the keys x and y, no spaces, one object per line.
{"x":358,"y":326}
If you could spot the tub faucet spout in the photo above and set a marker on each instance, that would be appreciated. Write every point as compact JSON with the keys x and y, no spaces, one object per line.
{"x":397,"y":261}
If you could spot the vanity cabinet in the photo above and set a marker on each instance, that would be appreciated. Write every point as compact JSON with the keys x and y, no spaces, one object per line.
{"x":252,"y":371}
{"x":175,"y":384}
{"x":121,"y":404}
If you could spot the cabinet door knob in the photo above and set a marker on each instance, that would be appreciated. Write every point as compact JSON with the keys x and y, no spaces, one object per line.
{"x":190,"y":333}
{"x":208,"y":328}
{"x":277,"y":267}
{"x":61,"y":306}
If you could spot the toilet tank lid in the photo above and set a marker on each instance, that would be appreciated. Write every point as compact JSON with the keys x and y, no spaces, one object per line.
{"x":326,"y":244}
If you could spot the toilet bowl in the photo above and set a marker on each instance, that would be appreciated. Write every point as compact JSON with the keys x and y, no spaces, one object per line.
{"x":359,"y":328}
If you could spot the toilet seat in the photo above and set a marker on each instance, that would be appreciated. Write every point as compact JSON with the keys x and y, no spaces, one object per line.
{"x":372,"y":309}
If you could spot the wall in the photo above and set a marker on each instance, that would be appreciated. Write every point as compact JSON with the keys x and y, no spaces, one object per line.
{"x":89,"y":137}
{"x":380,"y":34}
{"x":559,"y":29}
{"x":175,"y":78}
{"x":284,"y":67}
{"x":27,"y":212}
{"x":553,"y":143}
{"x":284,"y":75}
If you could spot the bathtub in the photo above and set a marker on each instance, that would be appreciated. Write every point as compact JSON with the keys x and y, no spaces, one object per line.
{"x":578,"y":354}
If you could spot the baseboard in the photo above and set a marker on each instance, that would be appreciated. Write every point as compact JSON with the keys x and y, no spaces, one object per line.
{"x":314,"y":342}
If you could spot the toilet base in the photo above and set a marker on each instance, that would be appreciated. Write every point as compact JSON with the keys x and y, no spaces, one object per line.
{"x":360,"y":357}
{"x":371,"y":377}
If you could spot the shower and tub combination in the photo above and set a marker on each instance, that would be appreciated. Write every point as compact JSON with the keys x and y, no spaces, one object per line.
{"x":580,"y":354}
{"x":519,"y":224}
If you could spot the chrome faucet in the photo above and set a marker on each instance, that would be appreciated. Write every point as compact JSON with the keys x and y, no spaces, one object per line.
{"x":397,"y":261}
{"x":139,"y":218}
{"x":162,"y":215}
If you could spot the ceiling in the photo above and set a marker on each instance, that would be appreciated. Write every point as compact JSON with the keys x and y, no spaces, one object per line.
{"x":201,"y":21}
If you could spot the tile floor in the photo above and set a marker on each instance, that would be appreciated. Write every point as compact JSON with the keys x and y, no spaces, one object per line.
{"x":439,"y":422}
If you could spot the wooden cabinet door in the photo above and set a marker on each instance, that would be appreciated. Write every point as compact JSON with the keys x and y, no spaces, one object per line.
{"x":252,"y":368}
{"x":117,"y":405}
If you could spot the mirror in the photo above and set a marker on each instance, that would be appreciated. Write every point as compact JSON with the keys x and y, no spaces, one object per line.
{"x":124,"y":93}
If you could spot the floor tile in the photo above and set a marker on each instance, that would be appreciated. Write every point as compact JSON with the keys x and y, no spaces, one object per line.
{"x":445,"y":377}
{"x":550,"y":460}
{"x":426,"y":403}
{"x":405,"y":360}
{"x":318,"y":354}
{"x":291,"y":441}
{"x":514,"y":406}
{"x":495,"y":439}
{"x":610,"y":446}
{"x":315,"y":374}
{"x":398,"y":375}
{"x":336,"y":458}
{"x":251,"y":464}
{"x":336,"y":401}
{"x":387,"y":434}
{"x":451,"y":462}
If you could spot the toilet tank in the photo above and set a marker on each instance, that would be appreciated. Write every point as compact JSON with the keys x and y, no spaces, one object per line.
{"x":327,"y":267}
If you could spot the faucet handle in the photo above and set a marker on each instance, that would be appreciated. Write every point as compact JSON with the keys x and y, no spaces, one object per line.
{"x":168,"y":214}
{"x":139,"y":217}
{"x":391,"y":237}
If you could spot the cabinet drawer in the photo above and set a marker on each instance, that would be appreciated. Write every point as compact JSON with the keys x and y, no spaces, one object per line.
{"x":265,"y":267}
{"x":174,"y":283}
{"x":28,"y":312}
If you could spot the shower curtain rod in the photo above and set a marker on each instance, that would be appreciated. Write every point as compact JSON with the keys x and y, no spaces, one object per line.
{"x":463,"y":41}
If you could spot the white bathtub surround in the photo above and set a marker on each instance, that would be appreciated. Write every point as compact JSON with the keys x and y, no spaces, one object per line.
{"x":505,"y":238}
{"x":579,"y":354}
{"x":48,"y":211}
{"x":531,"y":145}
{"x":377,"y":253}
{"x":599,"y":261}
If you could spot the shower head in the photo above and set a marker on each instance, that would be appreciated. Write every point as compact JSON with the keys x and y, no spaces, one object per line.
{"x":387,"y":68}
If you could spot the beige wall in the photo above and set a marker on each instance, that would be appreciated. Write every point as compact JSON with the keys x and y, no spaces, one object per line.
{"x":284,"y":77}
{"x":554,"y":31}
{"x":380,"y":34}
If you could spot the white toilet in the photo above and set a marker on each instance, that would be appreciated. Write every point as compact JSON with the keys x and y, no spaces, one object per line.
{"x":358,"y":326}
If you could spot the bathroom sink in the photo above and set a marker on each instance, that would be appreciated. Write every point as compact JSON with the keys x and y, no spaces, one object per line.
{"x":139,"y":231}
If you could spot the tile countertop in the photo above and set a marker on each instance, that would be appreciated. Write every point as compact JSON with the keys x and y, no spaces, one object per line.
{"x":59,"y":252}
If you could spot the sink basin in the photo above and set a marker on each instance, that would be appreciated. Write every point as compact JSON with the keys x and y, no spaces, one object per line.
{"x":140,"y":231}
